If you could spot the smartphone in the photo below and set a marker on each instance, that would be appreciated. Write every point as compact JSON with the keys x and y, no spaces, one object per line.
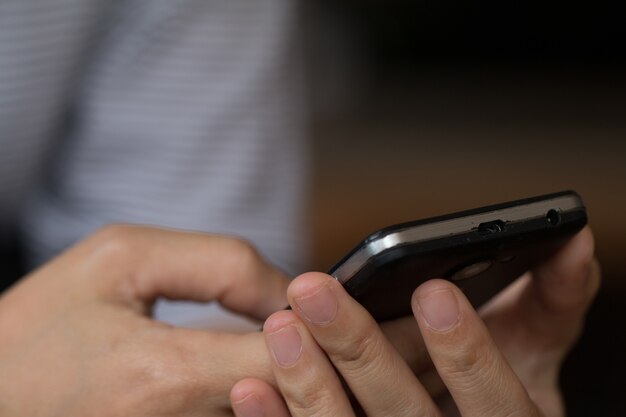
{"x":482,"y":251}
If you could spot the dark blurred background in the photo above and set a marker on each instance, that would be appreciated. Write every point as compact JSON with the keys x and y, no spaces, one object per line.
{"x":428,"y":107}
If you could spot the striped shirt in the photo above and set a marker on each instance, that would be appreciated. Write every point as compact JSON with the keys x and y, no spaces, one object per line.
{"x":179,"y":113}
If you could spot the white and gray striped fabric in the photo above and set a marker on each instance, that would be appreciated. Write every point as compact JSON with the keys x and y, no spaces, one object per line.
{"x":180,"y":113}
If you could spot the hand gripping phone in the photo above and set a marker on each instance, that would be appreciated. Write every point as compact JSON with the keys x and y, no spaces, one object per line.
{"x":482,"y":251}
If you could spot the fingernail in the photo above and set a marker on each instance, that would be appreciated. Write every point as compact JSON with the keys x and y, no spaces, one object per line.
{"x":440,"y":309}
{"x":286,"y":345}
{"x":249,"y":407}
{"x":319,"y":307}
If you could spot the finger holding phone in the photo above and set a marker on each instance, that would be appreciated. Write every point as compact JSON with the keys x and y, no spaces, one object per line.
{"x":503,"y":363}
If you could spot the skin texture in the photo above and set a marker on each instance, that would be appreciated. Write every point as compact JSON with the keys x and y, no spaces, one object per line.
{"x":447,"y":360}
{"x":76,"y":338}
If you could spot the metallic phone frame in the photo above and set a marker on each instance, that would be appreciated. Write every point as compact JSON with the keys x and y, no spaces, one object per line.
{"x":378,"y":243}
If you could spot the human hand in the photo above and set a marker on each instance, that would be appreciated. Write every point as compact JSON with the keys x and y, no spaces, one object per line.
{"x":504,"y":364}
{"x":76,"y":338}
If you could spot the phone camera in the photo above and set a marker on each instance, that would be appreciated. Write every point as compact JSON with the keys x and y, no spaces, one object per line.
{"x":506,"y":259}
{"x":553,"y":217}
{"x":470,"y":271}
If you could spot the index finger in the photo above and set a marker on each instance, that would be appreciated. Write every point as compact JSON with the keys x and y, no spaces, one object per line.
{"x":134,"y":265}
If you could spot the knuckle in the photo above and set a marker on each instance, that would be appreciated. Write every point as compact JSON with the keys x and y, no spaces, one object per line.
{"x":245,"y":258}
{"x":113,"y":242}
{"x":311,"y":401}
{"x":246,"y":252}
{"x":359,"y":351}
{"x":475,"y":369}
{"x":469,"y":362}
{"x":111,"y":258}
{"x":252,"y":281}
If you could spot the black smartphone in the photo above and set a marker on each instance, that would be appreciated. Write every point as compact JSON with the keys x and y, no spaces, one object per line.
{"x":482,"y":251}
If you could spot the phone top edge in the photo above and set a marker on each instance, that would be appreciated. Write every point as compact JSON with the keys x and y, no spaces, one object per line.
{"x":463,"y":213}
{"x":451,"y":225}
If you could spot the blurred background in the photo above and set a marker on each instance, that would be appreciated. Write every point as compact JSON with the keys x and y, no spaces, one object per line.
{"x":428,"y":107}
